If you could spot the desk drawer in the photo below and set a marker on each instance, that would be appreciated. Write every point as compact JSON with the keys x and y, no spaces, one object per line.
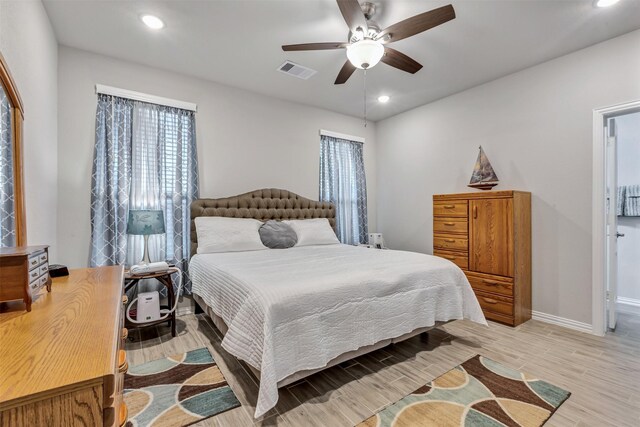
{"x":450,"y":242}
{"x":458,"y":258}
{"x":454,"y":208}
{"x":450,"y":225}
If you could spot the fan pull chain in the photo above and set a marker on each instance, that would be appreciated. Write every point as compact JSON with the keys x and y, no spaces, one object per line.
{"x":365,"y":97}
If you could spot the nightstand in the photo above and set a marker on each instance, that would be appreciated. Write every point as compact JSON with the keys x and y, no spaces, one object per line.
{"x":164,"y":277}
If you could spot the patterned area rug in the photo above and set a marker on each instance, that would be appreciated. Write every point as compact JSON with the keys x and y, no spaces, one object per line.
{"x":480,"y":392}
{"x":177,"y":391}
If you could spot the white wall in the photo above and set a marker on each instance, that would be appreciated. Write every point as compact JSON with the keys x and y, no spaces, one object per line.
{"x":628,"y":132}
{"x":29,"y":47}
{"x":536,"y":128}
{"x":245,"y":141}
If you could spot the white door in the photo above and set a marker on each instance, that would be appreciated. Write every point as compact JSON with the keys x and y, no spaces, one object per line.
{"x":612,"y":222}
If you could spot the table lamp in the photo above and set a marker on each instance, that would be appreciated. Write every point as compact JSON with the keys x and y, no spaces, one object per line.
{"x":144,"y":222}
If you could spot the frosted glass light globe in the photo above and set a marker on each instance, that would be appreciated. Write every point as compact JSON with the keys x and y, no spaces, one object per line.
{"x":365,"y":53}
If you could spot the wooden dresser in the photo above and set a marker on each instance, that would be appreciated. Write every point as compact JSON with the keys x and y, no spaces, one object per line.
{"x":488,"y":235}
{"x":24,"y":270}
{"x":63,"y":363}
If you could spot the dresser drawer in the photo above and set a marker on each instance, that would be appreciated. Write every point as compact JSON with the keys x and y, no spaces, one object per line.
{"x":502,"y":318}
{"x":454,"y":208}
{"x":494,"y":303}
{"x":458,"y":258}
{"x":502,"y":286}
{"x":34,"y":274}
{"x":43,"y":269}
{"x":450,"y":242}
{"x":450,"y":225}
{"x":34,"y":261}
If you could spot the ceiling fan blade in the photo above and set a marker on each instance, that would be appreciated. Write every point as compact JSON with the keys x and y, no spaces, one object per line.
{"x":417,"y":24}
{"x":352,"y":13}
{"x":400,"y":61}
{"x":314,"y":46}
{"x":345,"y":72}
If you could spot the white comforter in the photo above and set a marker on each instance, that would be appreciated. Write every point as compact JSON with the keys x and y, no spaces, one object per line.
{"x":295,"y":309}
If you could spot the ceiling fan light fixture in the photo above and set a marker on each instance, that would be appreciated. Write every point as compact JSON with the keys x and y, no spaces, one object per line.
{"x":365,"y":54}
{"x":383,"y":99}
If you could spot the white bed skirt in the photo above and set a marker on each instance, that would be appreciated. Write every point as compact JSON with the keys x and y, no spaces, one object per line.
{"x":222,"y":327}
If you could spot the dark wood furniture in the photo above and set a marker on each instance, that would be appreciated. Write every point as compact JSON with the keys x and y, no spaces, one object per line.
{"x":488,"y":235}
{"x":63,"y":364}
{"x":23,"y":272}
{"x":164,"y":277}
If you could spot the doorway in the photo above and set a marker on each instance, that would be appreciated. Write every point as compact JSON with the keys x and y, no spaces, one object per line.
{"x":616,"y":216}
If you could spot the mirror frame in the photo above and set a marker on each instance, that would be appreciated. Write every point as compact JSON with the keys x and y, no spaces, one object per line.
{"x":17,"y":118}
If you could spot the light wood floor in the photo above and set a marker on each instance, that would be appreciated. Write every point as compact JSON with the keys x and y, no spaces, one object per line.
{"x":603,"y":373}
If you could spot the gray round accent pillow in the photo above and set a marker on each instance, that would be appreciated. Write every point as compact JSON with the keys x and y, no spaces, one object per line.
{"x":277,"y":235}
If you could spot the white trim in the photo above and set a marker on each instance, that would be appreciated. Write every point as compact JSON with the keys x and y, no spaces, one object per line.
{"x":628,"y":305}
{"x":341,"y":136}
{"x":598,"y":225}
{"x":561,"y":321}
{"x":139,"y":96}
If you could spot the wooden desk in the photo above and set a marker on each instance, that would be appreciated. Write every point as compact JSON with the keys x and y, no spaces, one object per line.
{"x":62,"y":364}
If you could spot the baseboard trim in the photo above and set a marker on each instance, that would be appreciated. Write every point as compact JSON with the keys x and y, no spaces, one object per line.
{"x":561,"y":321}
{"x":628,"y":305}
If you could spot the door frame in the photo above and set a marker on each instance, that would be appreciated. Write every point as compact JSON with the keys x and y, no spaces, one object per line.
{"x":599,"y":220}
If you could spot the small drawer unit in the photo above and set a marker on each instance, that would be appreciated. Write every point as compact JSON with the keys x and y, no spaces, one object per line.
{"x":23,"y":272}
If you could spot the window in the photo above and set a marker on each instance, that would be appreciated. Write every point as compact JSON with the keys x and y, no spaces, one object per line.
{"x":12,"y":213}
{"x":343,"y":183}
{"x":145,"y":158}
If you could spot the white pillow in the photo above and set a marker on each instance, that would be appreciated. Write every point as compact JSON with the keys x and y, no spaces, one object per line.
{"x":316,"y":231}
{"x":220,"y":234}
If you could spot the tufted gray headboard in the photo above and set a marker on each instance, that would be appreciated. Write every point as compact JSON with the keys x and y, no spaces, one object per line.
{"x":265,"y":204}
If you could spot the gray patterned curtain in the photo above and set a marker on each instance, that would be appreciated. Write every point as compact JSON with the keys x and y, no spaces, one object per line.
{"x":7,"y":194}
{"x":110,"y":181}
{"x":150,"y":162}
{"x":343,"y":183}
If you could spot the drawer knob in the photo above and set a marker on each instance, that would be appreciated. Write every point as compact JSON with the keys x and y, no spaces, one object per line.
{"x":449,"y":240}
{"x":449,"y":206}
{"x":490,"y":282}
{"x":489,"y":300}
{"x":450,"y":258}
{"x":123,"y":415}
{"x":123,"y":366}
{"x":125,"y":299}
{"x":450,"y":223}
{"x":125,"y":333}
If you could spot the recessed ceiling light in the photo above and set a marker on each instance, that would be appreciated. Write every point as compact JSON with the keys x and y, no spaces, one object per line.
{"x":606,"y":3}
{"x":383,"y":98}
{"x":152,"y":22}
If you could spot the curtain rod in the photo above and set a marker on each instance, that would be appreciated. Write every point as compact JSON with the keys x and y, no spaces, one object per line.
{"x":341,"y":136}
{"x":139,"y":96}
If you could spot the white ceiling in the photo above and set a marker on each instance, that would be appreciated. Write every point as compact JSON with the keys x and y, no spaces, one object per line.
{"x":237,"y":42}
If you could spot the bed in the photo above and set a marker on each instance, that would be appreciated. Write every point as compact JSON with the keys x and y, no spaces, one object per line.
{"x":289,"y":313}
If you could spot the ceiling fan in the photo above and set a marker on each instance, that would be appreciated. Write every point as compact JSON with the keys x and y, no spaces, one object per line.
{"x":367,"y":44}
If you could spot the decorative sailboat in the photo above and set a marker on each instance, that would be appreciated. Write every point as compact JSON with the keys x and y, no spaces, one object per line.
{"x":483,"y":177}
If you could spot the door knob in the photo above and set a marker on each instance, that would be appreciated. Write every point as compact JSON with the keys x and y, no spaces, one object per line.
{"x":619,"y":234}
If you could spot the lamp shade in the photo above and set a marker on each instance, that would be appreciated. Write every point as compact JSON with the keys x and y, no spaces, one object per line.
{"x":145,"y":222}
{"x":365,"y":53}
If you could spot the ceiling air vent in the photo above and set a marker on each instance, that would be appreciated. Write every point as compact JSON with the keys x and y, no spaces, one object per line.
{"x":296,"y":70}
